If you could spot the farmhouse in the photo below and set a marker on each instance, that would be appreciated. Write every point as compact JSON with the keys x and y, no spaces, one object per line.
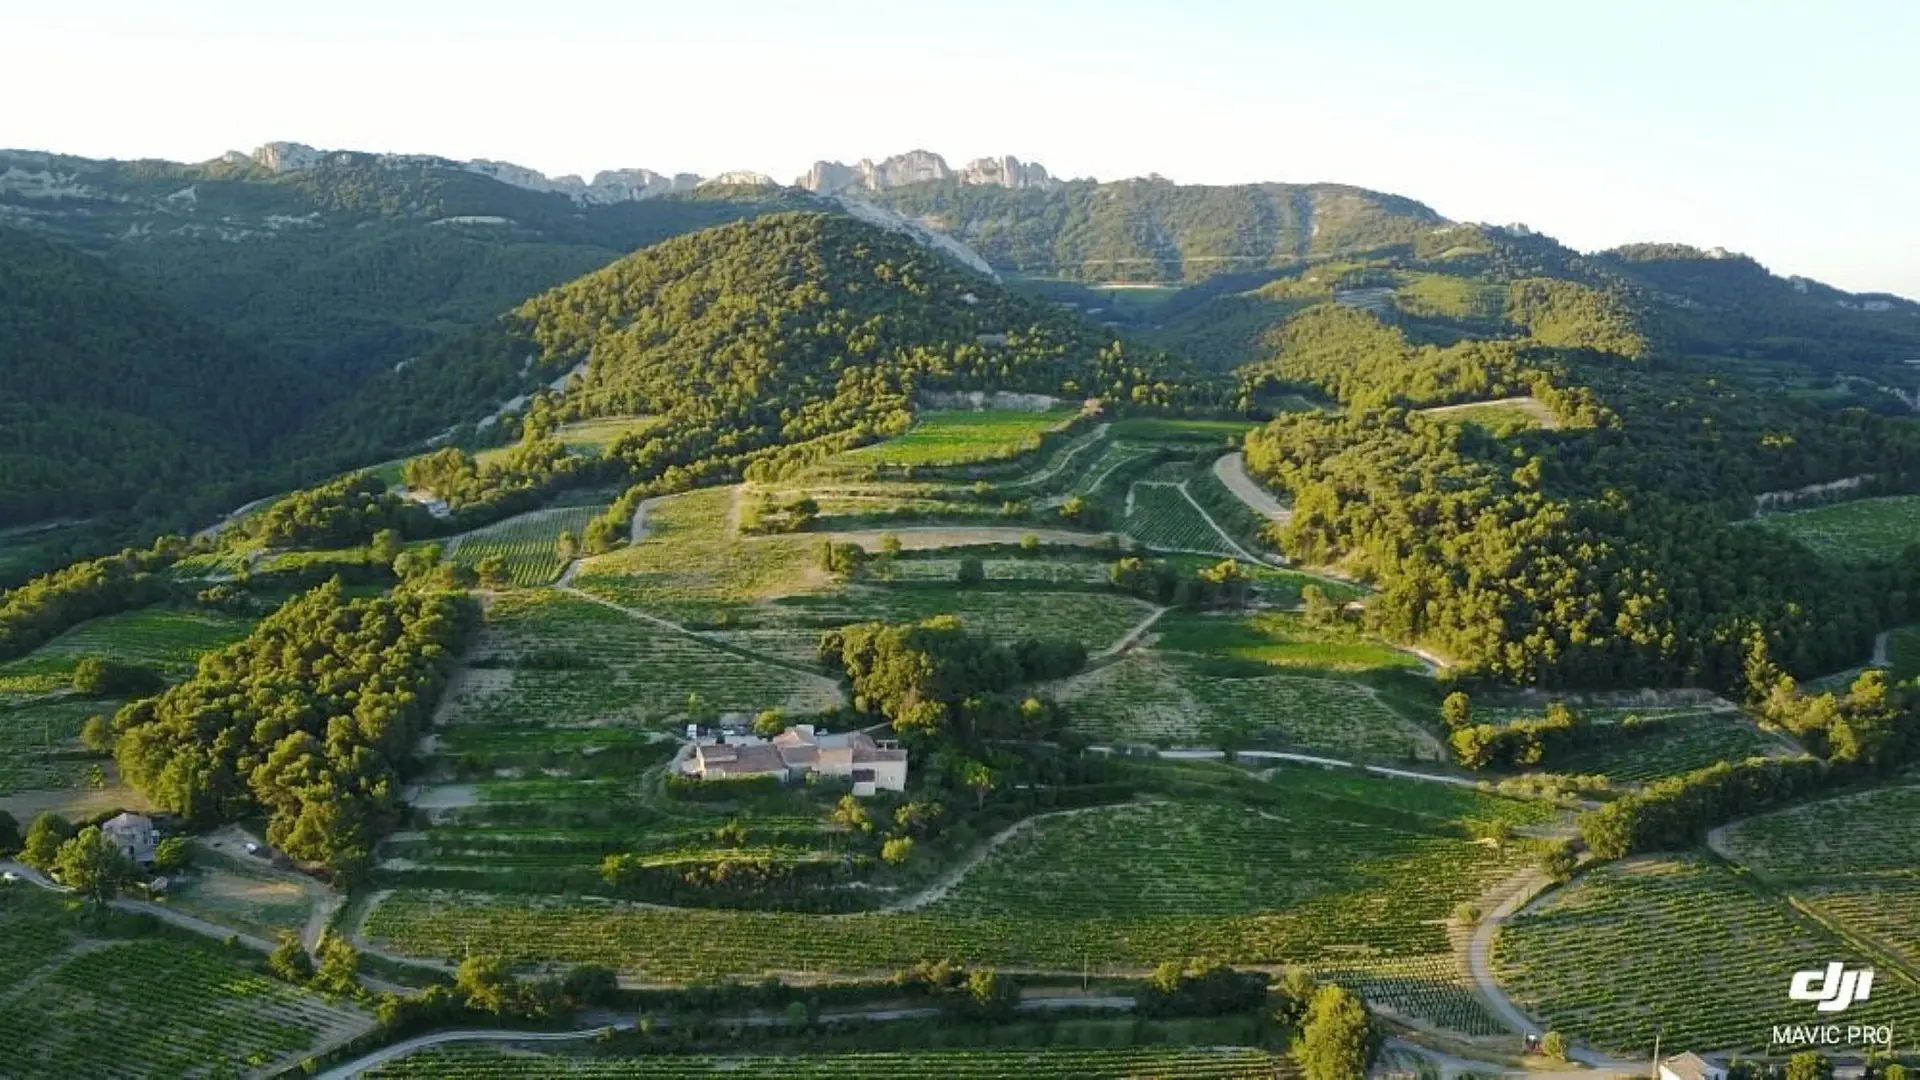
{"x":134,"y":835}
{"x":1690,"y":1067}
{"x":801,"y":751}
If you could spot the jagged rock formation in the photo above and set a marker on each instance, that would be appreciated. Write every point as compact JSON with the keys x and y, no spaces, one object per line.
{"x":607,"y":187}
{"x":919,"y":167}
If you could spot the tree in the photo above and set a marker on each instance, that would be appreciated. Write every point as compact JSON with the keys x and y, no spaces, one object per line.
{"x":10,"y":838}
{"x":1554,"y":1045}
{"x":97,"y":734}
{"x":591,"y":984}
{"x":1319,"y":608}
{"x":601,"y":536}
{"x":1894,"y":1071}
{"x":92,"y":866}
{"x":481,"y":982}
{"x":44,"y":837}
{"x":889,"y":544}
{"x":100,"y":677}
{"x":1292,"y":995}
{"x":989,"y":997}
{"x":972,"y":572}
{"x":980,"y":780}
{"x":1029,"y":542}
{"x":491,"y":571}
{"x":896,"y":850}
{"x":386,"y":547}
{"x":769,"y":723}
{"x":1810,"y":1065}
{"x":566,"y":546}
{"x":172,"y":854}
{"x":1457,"y":710}
{"x":1559,"y":862}
{"x":338,"y":970}
{"x":289,"y":960}
{"x":851,"y":816}
{"x":1337,"y":1037}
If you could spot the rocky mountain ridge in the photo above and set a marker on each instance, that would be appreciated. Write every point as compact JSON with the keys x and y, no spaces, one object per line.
{"x":919,"y":167}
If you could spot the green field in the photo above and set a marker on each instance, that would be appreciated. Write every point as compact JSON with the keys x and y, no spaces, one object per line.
{"x":1095,"y":619}
{"x":1862,"y":531}
{"x":962,"y":437}
{"x":1676,"y":948}
{"x":1497,"y":417}
{"x":528,"y":543}
{"x":1855,"y":858}
{"x":168,"y":639}
{"x":1155,"y":429}
{"x":1162,"y":517}
{"x":75,"y":1006}
{"x":593,"y":437}
{"x":1317,"y":877}
{"x":1679,"y":741}
{"x":1143,"y":1063}
{"x":627,"y":673}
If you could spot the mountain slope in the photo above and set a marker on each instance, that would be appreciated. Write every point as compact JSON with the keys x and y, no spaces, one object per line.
{"x":113,"y":400}
{"x":1155,"y":230}
{"x":780,"y":330}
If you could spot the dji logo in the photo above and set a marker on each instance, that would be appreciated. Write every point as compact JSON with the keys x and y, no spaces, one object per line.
{"x":1834,"y":988}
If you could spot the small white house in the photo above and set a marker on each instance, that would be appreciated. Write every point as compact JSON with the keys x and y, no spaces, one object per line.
{"x":1690,"y":1067}
{"x":134,"y":835}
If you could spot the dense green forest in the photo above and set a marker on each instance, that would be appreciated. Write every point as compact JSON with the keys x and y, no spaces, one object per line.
{"x":112,"y":400}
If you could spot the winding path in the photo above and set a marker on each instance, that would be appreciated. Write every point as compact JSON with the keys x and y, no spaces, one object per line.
{"x":1231,"y":470}
{"x":944,"y":884}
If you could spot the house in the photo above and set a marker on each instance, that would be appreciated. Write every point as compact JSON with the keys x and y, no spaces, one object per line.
{"x":802,"y":751}
{"x":1691,"y":1067}
{"x":134,"y":835}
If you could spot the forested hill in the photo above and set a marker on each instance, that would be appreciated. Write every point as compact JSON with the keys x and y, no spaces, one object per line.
{"x":349,"y":266}
{"x":1147,"y":230}
{"x":780,"y":330}
{"x":113,"y":401}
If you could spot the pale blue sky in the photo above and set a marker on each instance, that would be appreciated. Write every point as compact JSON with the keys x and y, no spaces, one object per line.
{"x":1785,"y":130}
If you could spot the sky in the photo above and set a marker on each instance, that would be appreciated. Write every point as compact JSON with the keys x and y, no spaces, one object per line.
{"x":1782,"y":130}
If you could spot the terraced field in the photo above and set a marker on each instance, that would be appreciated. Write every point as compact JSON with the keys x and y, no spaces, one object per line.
{"x":1162,"y":698}
{"x":1678,"y":946}
{"x":168,"y":639}
{"x":1095,"y":619}
{"x":1312,"y":880}
{"x":961,"y":437}
{"x":1162,"y":517}
{"x":691,"y":567}
{"x":621,"y":672}
{"x":1859,"y":531}
{"x":529,"y":543}
{"x":1143,"y":1063}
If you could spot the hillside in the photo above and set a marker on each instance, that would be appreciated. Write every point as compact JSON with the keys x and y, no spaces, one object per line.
{"x":781,"y":330}
{"x":115,"y":402}
{"x":1154,"y":230}
{"x":344,"y":263}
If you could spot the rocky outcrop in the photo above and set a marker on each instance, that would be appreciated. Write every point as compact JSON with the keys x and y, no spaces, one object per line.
{"x":949,"y":246}
{"x":612,"y":186}
{"x":919,"y":167}
{"x":739,"y":178}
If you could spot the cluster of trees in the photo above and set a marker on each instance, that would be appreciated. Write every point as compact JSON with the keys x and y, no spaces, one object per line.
{"x":734,"y":880}
{"x":1518,"y":744}
{"x":308,"y":721}
{"x":1360,"y":361}
{"x":936,"y":682}
{"x":51,"y":604}
{"x":1616,"y":587}
{"x":1678,"y":811}
{"x":768,"y":512}
{"x":339,"y":513}
{"x":1224,"y":584}
{"x":533,"y":465}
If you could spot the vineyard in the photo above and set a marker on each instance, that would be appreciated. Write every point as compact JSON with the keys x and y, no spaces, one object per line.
{"x":1679,"y":742}
{"x":1869,"y":833}
{"x":1674,"y":948}
{"x":145,"y":1007}
{"x":528,"y":543}
{"x":620,"y":670}
{"x":691,"y":568}
{"x":168,"y":639}
{"x":961,"y":437}
{"x":1095,"y":619}
{"x":1315,"y":879}
{"x":1161,"y":698}
{"x":1861,"y":531}
{"x":1143,"y":1063}
{"x":38,"y":748}
{"x":1161,"y":516}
